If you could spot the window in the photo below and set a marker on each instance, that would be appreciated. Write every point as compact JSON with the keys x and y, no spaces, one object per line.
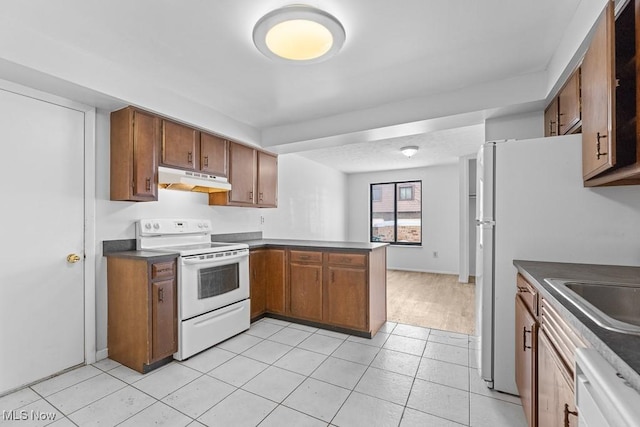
{"x":396,"y":212}
{"x":405,"y":192}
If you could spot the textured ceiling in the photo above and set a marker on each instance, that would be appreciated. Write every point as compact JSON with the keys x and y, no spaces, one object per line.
{"x":439,"y":147}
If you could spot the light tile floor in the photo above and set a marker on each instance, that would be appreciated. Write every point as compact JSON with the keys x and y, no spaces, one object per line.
{"x":282,"y":374}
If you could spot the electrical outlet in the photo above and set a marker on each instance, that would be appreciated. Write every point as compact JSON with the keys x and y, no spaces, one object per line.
{"x":261,"y":219}
{"x":435,"y":254}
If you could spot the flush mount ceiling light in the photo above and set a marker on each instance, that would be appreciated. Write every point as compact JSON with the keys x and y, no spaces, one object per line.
{"x":298,"y":33}
{"x":409,"y":151}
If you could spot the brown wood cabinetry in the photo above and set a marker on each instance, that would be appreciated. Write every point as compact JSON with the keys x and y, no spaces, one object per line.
{"x":569,"y":109}
{"x":253,"y":176}
{"x":545,"y":356}
{"x":555,"y":388}
{"x":142,"y":311}
{"x":305,"y":284}
{"x":275,"y":271}
{"x":551,"y":118}
{"x":213,"y":155}
{"x":267,"y":275}
{"x":563,"y":115}
{"x":134,"y":155}
{"x":180,"y":146}
{"x":338,"y":289}
{"x":526,"y":361}
{"x":610,"y":139}
{"x":258,"y":283}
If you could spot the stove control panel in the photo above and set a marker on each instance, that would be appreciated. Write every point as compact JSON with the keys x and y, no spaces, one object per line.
{"x":173,"y":226}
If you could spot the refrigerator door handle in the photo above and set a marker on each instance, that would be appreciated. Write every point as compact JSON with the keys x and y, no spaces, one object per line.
{"x":485,"y":222}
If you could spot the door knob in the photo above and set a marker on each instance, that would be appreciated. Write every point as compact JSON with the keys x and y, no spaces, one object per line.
{"x":73,"y":258}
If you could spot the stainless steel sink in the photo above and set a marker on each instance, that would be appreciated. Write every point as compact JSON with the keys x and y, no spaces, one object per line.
{"x":614,"y":306}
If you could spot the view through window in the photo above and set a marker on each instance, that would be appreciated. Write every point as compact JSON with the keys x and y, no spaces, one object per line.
{"x":396,"y":212}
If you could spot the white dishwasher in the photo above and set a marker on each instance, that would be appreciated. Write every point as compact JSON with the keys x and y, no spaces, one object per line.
{"x":603,"y":398}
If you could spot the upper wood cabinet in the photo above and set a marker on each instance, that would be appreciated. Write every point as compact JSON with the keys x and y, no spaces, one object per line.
{"x":610,"y":139}
{"x":135,"y":139}
{"x":253,"y":176}
{"x":180,"y":145}
{"x":569,"y":109}
{"x":551,"y":118}
{"x":267,"y":180}
{"x":213,"y":155}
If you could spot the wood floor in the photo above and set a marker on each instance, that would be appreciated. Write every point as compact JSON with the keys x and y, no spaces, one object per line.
{"x":431,"y":300}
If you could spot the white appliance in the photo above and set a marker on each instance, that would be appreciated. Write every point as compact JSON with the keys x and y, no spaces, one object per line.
{"x":532,"y":205}
{"x":603,"y":398}
{"x":213,"y":281}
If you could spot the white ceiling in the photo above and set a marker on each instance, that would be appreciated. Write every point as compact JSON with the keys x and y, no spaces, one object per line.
{"x":396,"y":53}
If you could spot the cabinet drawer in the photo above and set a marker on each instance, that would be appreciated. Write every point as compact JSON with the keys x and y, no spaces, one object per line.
{"x":162,"y":269}
{"x":305,"y":256}
{"x":358,"y":260}
{"x":528,"y":293}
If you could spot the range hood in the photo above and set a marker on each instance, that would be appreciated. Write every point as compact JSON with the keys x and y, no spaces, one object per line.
{"x":177,"y":179}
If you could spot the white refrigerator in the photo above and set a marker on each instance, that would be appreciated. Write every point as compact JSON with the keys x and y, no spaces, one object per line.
{"x":532,"y":205}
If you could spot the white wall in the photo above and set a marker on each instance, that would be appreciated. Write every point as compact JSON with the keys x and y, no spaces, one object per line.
{"x":517,"y":126}
{"x":311,"y":206}
{"x":440,"y":211}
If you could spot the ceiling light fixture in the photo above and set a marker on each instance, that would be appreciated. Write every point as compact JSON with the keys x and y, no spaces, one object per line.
{"x":409,"y":151}
{"x":298,"y":33}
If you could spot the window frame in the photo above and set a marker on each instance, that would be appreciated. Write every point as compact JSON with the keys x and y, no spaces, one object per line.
{"x":396,"y":194}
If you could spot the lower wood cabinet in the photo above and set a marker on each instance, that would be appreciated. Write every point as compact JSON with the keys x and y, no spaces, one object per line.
{"x":267,"y":281}
{"x":305,"y":284}
{"x":345,"y":290}
{"x":142,"y":310}
{"x":555,"y":388}
{"x":545,"y":356}
{"x":526,"y":360}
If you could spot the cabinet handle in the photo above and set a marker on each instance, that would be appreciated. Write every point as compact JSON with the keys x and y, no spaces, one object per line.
{"x":251,"y":195}
{"x":521,"y":289}
{"x":598,"y":153}
{"x":260,"y":195}
{"x":189,"y":157}
{"x":567,"y":412}
{"x":304,"y":257}
{"x":206,"y":160}
{"x":524,"y":338}
{"x":148,"y":180}
{"x":161,"y":295}
{"x":551,"y":123}
{"x":333,"y":276}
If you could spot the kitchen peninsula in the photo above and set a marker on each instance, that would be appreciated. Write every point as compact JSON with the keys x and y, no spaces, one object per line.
{"x":335,"y":285}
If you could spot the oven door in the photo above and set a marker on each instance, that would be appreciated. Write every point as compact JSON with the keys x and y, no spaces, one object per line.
{"x":211,"y":281}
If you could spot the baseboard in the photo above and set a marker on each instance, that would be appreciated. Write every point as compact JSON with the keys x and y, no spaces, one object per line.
{"x":102,"y":354}
{"x":415,"y":270}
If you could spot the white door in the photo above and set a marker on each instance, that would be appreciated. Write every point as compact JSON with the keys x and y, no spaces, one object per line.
{"x":41,"y":223}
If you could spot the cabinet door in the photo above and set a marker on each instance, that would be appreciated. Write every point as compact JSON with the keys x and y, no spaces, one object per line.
{"x":569,"y":104}
{"x":305,"y":291}
{"x":242,"y":170}
{"x":179,"y":144}
{"x":213,"y":155}
{"x":555,"y":393}
{"x":551,"y":119}
{"x":267,"y":180}
{"x":164,"y":319}
{"x":275,"y":274}
{"x":346,"y":297}
{"x":258,"y":291}
{"x":526,"y":342}
{"x":598,"y":99}
{"x":145,"y":155}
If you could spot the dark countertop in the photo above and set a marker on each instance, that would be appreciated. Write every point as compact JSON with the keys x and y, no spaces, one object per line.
{"x":313,"y":244}
{"x":622,"y":351}
{"x":146,"y":255}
